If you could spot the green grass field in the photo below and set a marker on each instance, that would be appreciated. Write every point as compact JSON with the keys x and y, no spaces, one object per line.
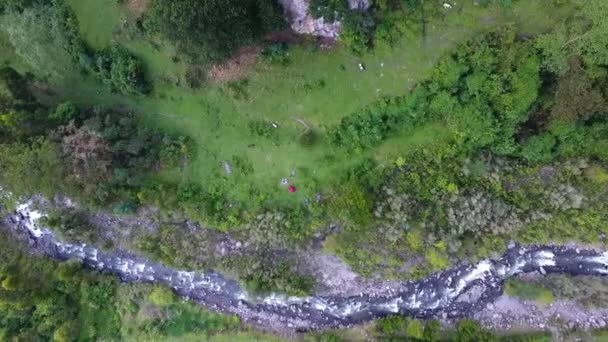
{"x":218,"y":120}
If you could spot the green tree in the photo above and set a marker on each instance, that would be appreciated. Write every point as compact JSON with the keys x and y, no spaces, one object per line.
{"x":585,"y":35}
{"x":66,"y":332}
{"x":46,"y":37}
{"x":64,"y":112}
{"x":29,"y":169}
{"x":211,"y":30}
{"x":470,"y":331}
{"x":539,"y":148}
{"x":432,"y":331}
{"x":577,"y":97}
{"x":357,"y":31}
{"x":161,"y":296}
{"x":120,"y":70}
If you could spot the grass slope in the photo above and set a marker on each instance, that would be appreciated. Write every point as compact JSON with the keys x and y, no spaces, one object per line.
{"x":317,"y":87}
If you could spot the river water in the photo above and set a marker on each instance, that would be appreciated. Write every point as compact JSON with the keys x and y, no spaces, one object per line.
{"x":440,"y":293}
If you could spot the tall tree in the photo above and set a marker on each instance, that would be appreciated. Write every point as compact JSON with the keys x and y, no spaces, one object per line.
{"x":211,"y":30}
{"x":585,"y":35}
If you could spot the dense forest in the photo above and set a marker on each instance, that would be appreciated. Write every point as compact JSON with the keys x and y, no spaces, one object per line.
{"x":214,"y":112}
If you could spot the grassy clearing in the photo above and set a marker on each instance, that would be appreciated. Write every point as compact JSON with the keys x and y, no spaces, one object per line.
{"x":318,"y":88}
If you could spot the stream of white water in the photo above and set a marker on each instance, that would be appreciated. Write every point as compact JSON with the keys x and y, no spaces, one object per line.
{"x":425,"y":298}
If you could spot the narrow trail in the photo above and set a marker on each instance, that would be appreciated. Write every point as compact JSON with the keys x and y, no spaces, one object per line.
{"x":438,"y":294}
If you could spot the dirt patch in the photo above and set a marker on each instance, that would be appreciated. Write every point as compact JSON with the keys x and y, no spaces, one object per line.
{"x":236,"y":66}
{"x":137,"y":6}
{"x":331,"y":274}
{"x":284,"y":37}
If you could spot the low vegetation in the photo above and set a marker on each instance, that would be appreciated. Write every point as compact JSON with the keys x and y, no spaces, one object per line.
{"x":213,"y":31}
{"x":395,"y":328}
{"x":431,"y":133}
{"x":529,"y":291}
{"x":44,"y":300}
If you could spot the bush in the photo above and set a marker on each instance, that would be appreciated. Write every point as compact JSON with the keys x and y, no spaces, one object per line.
{"x":46,"y":36}
{"x":538,"y":148}
{"x":29,"y":169}
{"x":17,"y":5}
{"x":470,"y":331}
{"x":528,"y":291}
{"x":276,"y":53}
{"x":577,"y":97}
{"x":398,"y":328}
{"x":121,"y":71}
{"x":212,"y":30}
{"x":352,"y":205}
{"x":392,"y":325}
{"x":42,"y":302}
{"x":238,"y":89}
{"x":360,"y":130}
{"x":357,"y":31}
{"x":262,"y":128}
{"x":64,"y":112}
{"x":264,"y":273}
{"x":161,"y":296}
{"x":478,"y":94}
{"x":175,"y":152}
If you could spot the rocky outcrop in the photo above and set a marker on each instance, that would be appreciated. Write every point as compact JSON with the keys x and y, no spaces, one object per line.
{"x":298,"y":15}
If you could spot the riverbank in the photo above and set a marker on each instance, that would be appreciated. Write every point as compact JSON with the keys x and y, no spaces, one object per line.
{"x":465,"y":291}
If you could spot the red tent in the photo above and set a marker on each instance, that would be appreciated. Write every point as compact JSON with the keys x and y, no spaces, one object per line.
{"x":292,"y":188}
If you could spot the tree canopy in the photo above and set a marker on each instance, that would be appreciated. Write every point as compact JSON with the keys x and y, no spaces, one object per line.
{"x":211,"y":30}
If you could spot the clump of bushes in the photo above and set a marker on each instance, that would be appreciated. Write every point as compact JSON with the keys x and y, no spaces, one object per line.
{"x":482,"y":99}
{"x":529,"y":291}
{"x":399,"y":327}
{"x":212,"y":32}
{"x":480,"y":214}
{"x":279,"y":228}
{"x":276,"y":53}
{"x":120,"y":70}
{"x":358,"y":31}
{"x":262,"y":128}
{"x":265,"y":272}
{"x":46,"y":35}
{"x":396,"y":208}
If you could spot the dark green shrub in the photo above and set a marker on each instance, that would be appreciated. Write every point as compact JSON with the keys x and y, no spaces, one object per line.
{"x":64,"y":112}
{"x":358,"y":31}
{"x":264,"y":273}
{"x":121,"y":71}
{"x":175,"y":152}
{"x":471,"y":331}
{"x":262,"y":128}
{"x":212,"y":30}
{"x":539,"y":148}
{"x":276,"y":53}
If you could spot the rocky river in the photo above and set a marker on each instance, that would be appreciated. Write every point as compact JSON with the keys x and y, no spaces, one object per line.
{"x":439,"y":295}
